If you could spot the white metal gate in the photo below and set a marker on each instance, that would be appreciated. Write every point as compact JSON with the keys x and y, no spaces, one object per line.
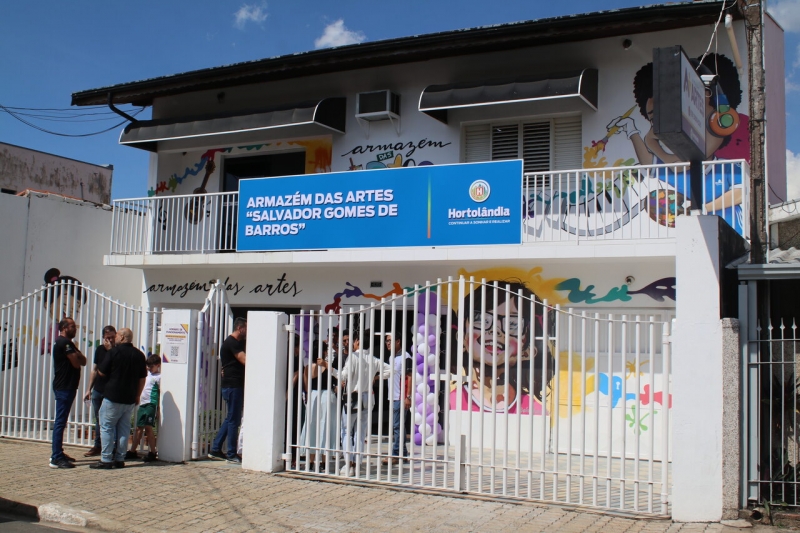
{"x":28,"y":328}
{"x":510,"y":397}
{"x":214,"y":324}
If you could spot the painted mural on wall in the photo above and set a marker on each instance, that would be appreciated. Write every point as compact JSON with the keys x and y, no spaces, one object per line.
{"x":636,"y":202}
{"x":410,"y":153}
{"x":318,"y":160}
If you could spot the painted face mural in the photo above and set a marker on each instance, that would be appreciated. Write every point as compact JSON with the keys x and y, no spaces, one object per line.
{"x":503,"y":365}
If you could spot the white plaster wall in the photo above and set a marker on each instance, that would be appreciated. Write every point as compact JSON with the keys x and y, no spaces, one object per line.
{"x":774,"y":68}
{"x":73,"y":238}
{"x":317,"y":286}
{"x":13,"y":232}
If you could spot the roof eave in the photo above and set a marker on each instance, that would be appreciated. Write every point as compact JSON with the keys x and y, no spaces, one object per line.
{"x":410,"y":49}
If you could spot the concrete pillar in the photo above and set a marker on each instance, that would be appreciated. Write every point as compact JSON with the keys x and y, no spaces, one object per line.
{"x":265,"y":391}
{"x":705,"y":351}
{"x":177,"y":387}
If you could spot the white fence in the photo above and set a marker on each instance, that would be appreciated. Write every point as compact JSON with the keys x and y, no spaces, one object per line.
{"x":215,"y":322}
{"x":28,"y":328}
{"x":509,"y":396}
{"x":634,"y":202}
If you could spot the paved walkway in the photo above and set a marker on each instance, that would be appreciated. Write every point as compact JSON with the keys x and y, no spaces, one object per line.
{"x":216,"y":496}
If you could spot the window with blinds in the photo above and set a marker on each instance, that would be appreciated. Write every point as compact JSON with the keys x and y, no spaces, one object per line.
{"x":543,"y":145}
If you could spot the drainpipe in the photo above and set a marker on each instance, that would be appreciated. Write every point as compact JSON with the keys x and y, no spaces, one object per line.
{"x":119,"y":111}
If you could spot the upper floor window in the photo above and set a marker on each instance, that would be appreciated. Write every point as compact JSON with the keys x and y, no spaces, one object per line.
{"x":543,"y":145}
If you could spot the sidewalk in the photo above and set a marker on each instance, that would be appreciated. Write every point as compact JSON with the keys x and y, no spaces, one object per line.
{"x":216,"y":496}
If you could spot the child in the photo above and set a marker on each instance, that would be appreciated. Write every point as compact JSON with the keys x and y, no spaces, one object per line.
{"x":148,"y":408}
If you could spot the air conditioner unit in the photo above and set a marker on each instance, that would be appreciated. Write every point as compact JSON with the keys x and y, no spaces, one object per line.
{"x":377,"y":105}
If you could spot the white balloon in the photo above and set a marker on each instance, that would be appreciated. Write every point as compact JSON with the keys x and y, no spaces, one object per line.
{"x":430,"y":440}
{"x":420,"y":338}
{"x":422,"y":348}
{"x":431,"y":399}
{"x":423,"y":388}
{"x":431,"y":321}
{"x":418,"y":419}
{"x":432,"y":359}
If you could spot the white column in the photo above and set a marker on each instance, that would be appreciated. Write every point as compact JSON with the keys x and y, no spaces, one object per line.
{"x":265,"y":391}
{"x":177,"y":389}
{"x":697,"y":370}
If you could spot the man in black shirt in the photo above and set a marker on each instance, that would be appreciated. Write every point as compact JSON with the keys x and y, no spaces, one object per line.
{"x":232,"y":359}
{"x":97,"y":385}
{"x":67,"y":363}
{"x":125,"y":369}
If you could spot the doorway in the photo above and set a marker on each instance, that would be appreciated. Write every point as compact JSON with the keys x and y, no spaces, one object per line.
{"x":259,"y":166}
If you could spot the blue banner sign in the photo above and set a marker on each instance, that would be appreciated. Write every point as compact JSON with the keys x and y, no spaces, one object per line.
{"x":469,"y":204}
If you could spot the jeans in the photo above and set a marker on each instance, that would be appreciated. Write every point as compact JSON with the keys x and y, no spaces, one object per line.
{"x":115,"y":428}
{"x":64,"y":400}
{"x":234,"y":399}
{"x":97,"y":402}
{"x":397,"y":407}
{"x":354,"y":429}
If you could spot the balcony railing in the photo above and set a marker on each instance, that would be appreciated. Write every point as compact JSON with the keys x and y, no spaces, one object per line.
{"x":619,"y":203}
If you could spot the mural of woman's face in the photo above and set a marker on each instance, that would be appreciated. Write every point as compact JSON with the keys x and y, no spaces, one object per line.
{"x":497,"y":331}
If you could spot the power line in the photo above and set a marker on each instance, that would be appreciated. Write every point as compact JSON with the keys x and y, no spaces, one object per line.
{"x":34,"y":126}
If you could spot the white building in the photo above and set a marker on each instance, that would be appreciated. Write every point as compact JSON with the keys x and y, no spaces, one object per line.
{"x":572,"y":98}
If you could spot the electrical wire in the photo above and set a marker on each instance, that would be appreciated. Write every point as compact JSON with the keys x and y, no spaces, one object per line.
{"x":34,"y":126}
{"x":716,"y":27}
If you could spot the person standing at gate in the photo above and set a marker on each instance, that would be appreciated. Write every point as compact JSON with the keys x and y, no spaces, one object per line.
{"x":232,"y":359}
{"x":97,"y":385}
{"x":67,"y":363}
{"x":356,"y":378}
{"x":399,"y":400}
{"x":126,"y":372}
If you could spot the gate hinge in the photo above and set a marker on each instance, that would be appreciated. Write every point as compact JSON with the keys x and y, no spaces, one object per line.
{"x":288,"y":328}
{"x":667,"y":338}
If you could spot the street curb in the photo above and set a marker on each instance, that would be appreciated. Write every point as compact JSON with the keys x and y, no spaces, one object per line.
{"x":60,"y":514}
{"x":18,"y":508}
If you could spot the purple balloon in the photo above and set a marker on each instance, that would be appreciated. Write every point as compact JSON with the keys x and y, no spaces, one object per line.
{"x":418,"y":398}
{"x":431,"y":340}
{"x":420,"y":359}
{"x":418,"y":439}
{"x":431,"y":418}
{"x":421,"y":329}
{"x":421,"y":369}
{"x":432,"y":300}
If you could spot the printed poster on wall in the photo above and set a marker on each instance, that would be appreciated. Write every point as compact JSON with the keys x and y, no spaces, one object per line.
{"x":445,"y":205}
{"x":175,"y":344}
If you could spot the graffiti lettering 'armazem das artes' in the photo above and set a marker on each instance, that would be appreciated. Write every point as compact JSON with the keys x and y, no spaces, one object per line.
{"x":280,"y":285}
{"x":392,"y":154}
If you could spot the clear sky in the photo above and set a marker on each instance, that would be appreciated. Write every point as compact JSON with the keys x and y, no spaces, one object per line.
{"x":50,"y":49}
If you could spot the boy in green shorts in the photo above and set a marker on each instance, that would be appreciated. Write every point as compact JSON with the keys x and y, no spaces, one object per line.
{"x":148,"y":409}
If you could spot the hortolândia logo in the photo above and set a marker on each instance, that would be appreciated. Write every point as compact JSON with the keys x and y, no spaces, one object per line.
{"x":479,"y":191}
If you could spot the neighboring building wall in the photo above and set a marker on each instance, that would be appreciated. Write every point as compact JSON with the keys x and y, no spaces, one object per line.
{"x":423,"y":139}
{"x":788,"y":234}
{"x":41,"y":232}
{"x":776,"y":110}
{"x":22,"y":168}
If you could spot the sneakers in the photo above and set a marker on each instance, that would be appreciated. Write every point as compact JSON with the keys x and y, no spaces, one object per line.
{"x":347,"y":470}
{"x":234,"y":460}
{"x":61,"y":463}
{"x":119,"y":464}
{"x":216,"y":454}
{"x":68,"y":458}
{"x":100,"y":465}
{"x":149,"y":458}
{"x":94,"y":451}
{"x":131,"y":454}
